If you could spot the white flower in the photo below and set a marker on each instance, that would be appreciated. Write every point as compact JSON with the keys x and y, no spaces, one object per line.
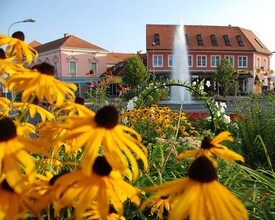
{"x":194,"y":83}
{"x":135,"y":98}
{"x":208,"y":84}
{"x":130,"y":105}
{"x":223,"y":104}
{"x":125,"y":121}
{"x":226,"y":119}
{"x":218,"y":113}
{"x":222,"y":110}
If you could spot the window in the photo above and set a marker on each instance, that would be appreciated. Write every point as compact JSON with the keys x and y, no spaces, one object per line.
{"x":158,"y":61}
{"x":215,"y":61}
{"x":93,"y":66}
{"x":226,"y":40}
{"x":190,"y":60}
{"x":157,"y":39}
{"x":240,"y":40}
{"x":242,"y":61}
{"x":55,"y":67}
{"x":200,"y":41}
{"x":230,"y":58}
{"x":265,"y":64}
{"x":214,"y":40}
{"x":258,"y":63}
{"x":201,"y":61}
{"x":72,"y":67}
{"x":170,"y":60}
{"x":187,"y":39}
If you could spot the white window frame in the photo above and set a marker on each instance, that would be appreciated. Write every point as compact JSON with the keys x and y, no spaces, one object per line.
{"x":72,"y":72}
{"x":170,"y":60}
{"x":96,"y":67}
{"x":258,"y":62}
{"x":241,"y":61}
{"x":201,"y":62}
{"x":190,"y":60}
{"x":157,"y":60}
{"x":265,"y":64}
{"x":230,"y":58}
{"x":215,"y":60}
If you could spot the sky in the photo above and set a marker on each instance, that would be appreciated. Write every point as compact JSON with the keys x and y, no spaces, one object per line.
{"x":120,"y":25}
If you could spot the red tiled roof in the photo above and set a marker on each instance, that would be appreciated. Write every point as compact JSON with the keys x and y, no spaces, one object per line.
{"x":34,"y":43}
{"x":166,"y":33}
{"x":69,"y":42}
{"x":118,"y":57}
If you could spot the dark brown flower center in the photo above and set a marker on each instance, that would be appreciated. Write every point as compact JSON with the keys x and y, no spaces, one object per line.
{"x":55,"y":177}
{"x":6,"y":186}
{"x":79,"y":100}
{"x":7,"y":129}
{"x":206,"y":143}
{"x":44,"y":68}
{"x":202,"y":170}
{"x":101,"y":166}
{"x":107,"y":117}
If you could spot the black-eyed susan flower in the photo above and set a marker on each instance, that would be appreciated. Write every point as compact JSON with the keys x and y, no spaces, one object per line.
{"x":33,"y":109}
{"x":93,"y":214}
{"x":13,"y":205}
{"x":13,"y":155}
{"x":199,"y":196}
{"x":5,"y":104}
{"x":213,"y":147}
{"x":77,"y":107}
{"x":40,"y":82}
{"x":18,"y":48}
{"x":104,"y":186}
{"x":119,"y":142}
{"x":160,"y":205}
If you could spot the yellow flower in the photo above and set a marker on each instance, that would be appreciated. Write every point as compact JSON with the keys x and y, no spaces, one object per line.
{"x":33,"y":109}
{"x":117,"y":140}
{"x":13,"y":155}
{"x":105,"y":186}
{"x":18,"y":48}
{"x":93,"y":213}
{"x":4,"y":106}
{"x":160,"y":204}
{"x":199,"y":196}
{"x":74,"y":108}
{"x":42,"y":84}
{"x":13,"y":205}
{"x":213,"y":147}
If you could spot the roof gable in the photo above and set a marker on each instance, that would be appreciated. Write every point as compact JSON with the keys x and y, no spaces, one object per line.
{"x":69,"y":42}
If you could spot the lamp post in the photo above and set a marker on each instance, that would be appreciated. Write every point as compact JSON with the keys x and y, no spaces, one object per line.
{"x":31,"y":20}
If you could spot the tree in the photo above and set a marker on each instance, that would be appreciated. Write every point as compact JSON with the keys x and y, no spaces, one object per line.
{"x":135,"y":74}
{"x":226,"y":77}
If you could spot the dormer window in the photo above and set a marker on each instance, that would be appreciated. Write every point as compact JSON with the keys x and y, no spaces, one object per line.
{"x":240,"y":40}
{"x":214,"y":40}
{"x":156,"y":39}
{"x":226,"y":40}
{"x":187,"y":39}
{"x":200,"y":41}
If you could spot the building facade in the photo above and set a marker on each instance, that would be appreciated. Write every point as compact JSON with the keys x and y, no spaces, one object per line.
{"x":76,"y":60}
{"x":206,"y":47}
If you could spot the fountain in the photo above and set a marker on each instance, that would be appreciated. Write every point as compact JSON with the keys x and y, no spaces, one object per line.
{"x":180,"y":70}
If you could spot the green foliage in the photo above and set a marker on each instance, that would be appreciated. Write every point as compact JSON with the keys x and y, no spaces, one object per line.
{"x":135,"y":74}
{"x":257,"y":120}
{"x":225,"y":76}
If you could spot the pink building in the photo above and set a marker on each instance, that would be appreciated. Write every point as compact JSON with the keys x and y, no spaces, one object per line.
{"x":73,"y":58}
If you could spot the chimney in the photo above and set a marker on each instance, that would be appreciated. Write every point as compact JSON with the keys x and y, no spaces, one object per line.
{"x":66,"y":34}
